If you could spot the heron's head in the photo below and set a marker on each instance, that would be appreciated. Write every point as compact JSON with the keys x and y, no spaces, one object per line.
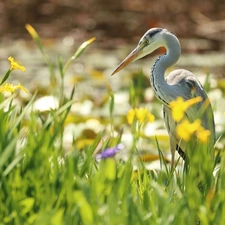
{"x":151,"y":40}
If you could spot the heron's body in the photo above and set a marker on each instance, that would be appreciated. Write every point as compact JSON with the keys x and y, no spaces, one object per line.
{"x":180,"y":83}
{"x":189,"y":87}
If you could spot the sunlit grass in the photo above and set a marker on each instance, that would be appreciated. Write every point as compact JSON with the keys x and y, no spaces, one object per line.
{"x":44,"y":181}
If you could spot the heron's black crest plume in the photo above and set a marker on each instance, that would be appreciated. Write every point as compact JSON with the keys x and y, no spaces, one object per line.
{"x":152,"y":32}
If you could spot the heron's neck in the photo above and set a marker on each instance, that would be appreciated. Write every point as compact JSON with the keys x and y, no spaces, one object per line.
{"x":161,"y":89}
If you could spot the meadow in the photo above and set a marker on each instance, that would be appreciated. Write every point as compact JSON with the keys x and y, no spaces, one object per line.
{"x":105,"y":173}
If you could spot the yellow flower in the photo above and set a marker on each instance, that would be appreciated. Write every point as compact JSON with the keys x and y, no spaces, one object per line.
{"x":186,"y":129}
{"x":180,"y":106}
{"x":141,"y":115}
{"x":15,"y":65}
{"x":130,"y":116}
{"x":11,"y":88}
{"x":203,"y":135}
{"x":150,"y":117}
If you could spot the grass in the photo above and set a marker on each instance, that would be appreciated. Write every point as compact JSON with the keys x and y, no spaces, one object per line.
{"x":41,"y":183}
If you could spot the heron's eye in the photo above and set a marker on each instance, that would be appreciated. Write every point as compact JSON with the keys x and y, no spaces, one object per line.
{"x":144,"y":42}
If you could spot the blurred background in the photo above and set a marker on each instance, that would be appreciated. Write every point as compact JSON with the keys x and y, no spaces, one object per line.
{"x":117,"y":25}
{"x":118,"y":19}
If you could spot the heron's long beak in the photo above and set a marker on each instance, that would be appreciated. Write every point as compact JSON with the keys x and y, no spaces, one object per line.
{"x":130,"y":58}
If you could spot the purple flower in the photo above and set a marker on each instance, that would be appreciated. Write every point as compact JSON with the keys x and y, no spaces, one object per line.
{"x":109,"y":152}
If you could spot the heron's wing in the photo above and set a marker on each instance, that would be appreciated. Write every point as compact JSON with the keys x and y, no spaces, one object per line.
{"x":186,"y":85}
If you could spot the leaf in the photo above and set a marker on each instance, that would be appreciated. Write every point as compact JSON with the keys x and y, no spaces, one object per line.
{"x":8,"y":152}
{"x":21,"y":116}
{"x":78,"y":53}
{"x":85,"y":209}
{"x":57,"y":219}
{"x":110,"y":169}
{"x":40,"y":45}
{"x":27,"y":204}
{"x":12,"y":165}
{"x":6,"y":76}
{"x":60,"y":65}
{"x":83,"y":47}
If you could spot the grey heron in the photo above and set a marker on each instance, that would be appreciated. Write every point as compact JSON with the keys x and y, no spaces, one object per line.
{"x":180,"y":83}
